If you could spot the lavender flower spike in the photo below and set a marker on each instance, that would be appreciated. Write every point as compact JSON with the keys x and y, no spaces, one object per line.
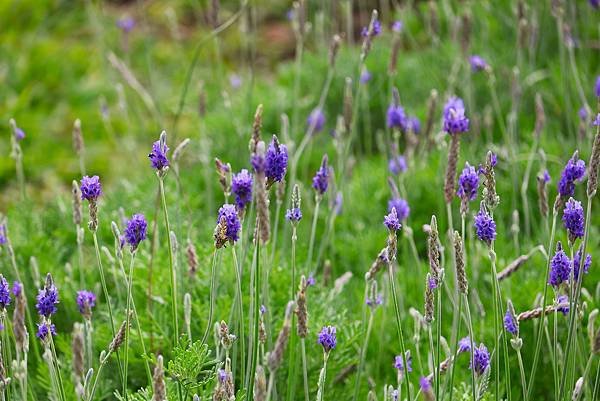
{"x":44,"y":329}
{"x":577,"y":262}
{"x":315,"y":121}
{"x":4,"y":293}
{"x":455,"y":120}
{"x":560,"y":267}
{"x":327,"y":338}
{"x":294,"y":214}
{"x":397,"y":165}
{"x":478,"y":63}
{"x":573,"y":172}
{"x":511,"y":324}
{"x":468,"y":183}
{"x":241,"y":187}
{"x":135,"y":232}
{"x":395,"y":116}
{"x":91,"y":189}
{"x":481,"y":359}
{"x":158,"y":155}
{"x":228,"y":213}
{"x":464,"y":345}
{"x":321,"y":178}
{"x":391,"y":221}
{"x":573,"y":220}
{"x":401,"y":206}
{"x":276,"y":161}
{"x":47,"y":298}
{"x":399,"y":362}
{"x":485,"y":227}
{"x":86,"y":300}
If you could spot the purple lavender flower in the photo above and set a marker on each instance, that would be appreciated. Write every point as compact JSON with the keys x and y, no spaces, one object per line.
{"x":546,"y":176}
{"x":222,"y":375}
{"x":563,"y":299}
{"x":510,"y":324}
{"x":485,"y":227}
{"x":232,"y":221}
{"x":235,"y":81}
{"x":401,"y":206}
{"x":374,"y":302}
{"x":365,"y":76}
{"x":320,"y":181}
{"x":468,"y":183}
{"x":91,"y":189}
{"x":397,"y":165}
{"x":391,"y":221}
{"x":4,"y":292}
{"x":44,"y":329}
{"x":327,"y":338}
{"x":86,"y":300}
{"x":293,"y":215}
{"x":573,"y":219}
{"x":425,"y":386}
{"x":126,"y":24}
{"x":595,"y":3}
{"x":3,"y":237}
{"x":395,"y":395}
{"x":263,"y":309}
{"x":572,"y":173}
{"x":583,"y":114}
{"x":596,"y":121}
{"x":399,"y":362}
{"x":464,"y":345}
{"x":17,"y":289}
{"x":316,"y":120}
{"x":432,"y":283}
{"x":481,"y":358}
{"x":597,"y":86}
{"x":19,"y":134}
{"x":414,"y":125}
{"x":310,"y":281}
{"x":560,"y":267}
{"x":455,"y":120}
{"x":477,"y":63}
{"x":397,"y":26}
{"x":241,"y":186}
{"x":47,"y":299}
{"x":577,"y":262}
{"x":135,"y":232}
{"x":376,"y":29}
{"x":396,"y":117}
{"x":276,"y":161}
{"x":158,"y":156}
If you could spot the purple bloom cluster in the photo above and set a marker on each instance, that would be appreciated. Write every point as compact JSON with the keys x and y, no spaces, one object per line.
{"x":468,"y":183}
{"x":425,"y":385}
{"x":17,"y":289}
{"x":596,"y":121}
{"x":477,"y":63}
{"x":401,"y":206}
{"x":397,"y":165}
{"x":3,"y":238}
{"x":413,"y":124}
{"x":399,"y":362}
{"x":464,"y":345}
{"x":241,"y":186}
{"x":310,"y":280}
{"x":44,"y":329}
{"x":4,"y":292}
{"x":365,"y":76}
{"x":510,"y":323}
{"x":19,"y":134}
{"x":391,"y":221}
{"x":397,"y":26}
{"x":86,"y":300}
{"x":276,"y":161}
{"x":577,"y":263}
{"x":396,"y":117}
{"x":455,"y":120}
{"x":583,"y":114}
{"x":563,"y":299}
{"x":485,"y":227}
{"x":316,"y":120}
{"x":293,"y":215}
{"x":126,"y":24}
{"x":374,"y":302}
{"x":320,"y":181}
{"x":158,"y":156}
{"x":573,"y":219}
{"x":47,"y":299}
{"x":232,"y":221}
{"x":481,"y":359}
{"x":376,"y":29}
{"x":91,"y":189}
{"x":135,"y":232}
{"x":560,"y":266}
{"x":327,"y":338}
{"x":572,"y":173}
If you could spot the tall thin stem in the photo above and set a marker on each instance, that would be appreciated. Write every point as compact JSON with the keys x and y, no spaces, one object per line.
{"x":522,"y":371}
{"x":363,"y":352}
{"x":240,"y":309}
{"x":322,"y":375}
{"x":304,"y":370}
{"x":438,"y":344}
{"x":256,"y":315}
{"x":127,"y":319}
{"x":213,"y":273}
{"x":472,"y":345}
{"x":313,"y":233}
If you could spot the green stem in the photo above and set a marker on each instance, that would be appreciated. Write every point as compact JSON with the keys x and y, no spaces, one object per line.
{"x":127,"y":318}
{"x":438,"y":344}
{"x":211,"y":306}
{"x":312,"y":234}
{"x":240,"y":308}
{"x":363,"y":352}
{"x":256,"y":317}
{"x":304,"y":370}
{"x":455,"y":347}
{"x":322,"y":375}
{"x":472,"y":345}
{"x":61,"y":387}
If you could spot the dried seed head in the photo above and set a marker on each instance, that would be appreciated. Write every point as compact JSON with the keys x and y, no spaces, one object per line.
{"x":280,"y":193}
{"x":596,"y":344}
{"x":179,"y":150}
{"x":433,"y":250}
{"x":334,"y":47}
{"x":76,"y":204}
{"x":301,"y":309}
{"x":262,"y":199}
{"x":429,"y":298}
{"x":465,"y":32}
{"x":542,"y":190}
{"x":577,"y":390}
{"x":77,"y":347}
{"x":262,"y":331}
{"x":256,"y":128}
{"x":459,"y":256}
{"x":431,"y":112}
{"x":119,"y":338}
{"x":592,"y":184}
{"x":491,"y":198}
{"x":450,"y":181}
{"x":275,"y":357}
{"x":78,"y":145}
{"x":379,"y":263}
{"x":187,"y":309}
{"x":540,"y":115}
{"x":158,"y":381}
{"x":369,"y":35}
{"x":224,"y":173}
{"x":18,"y":323}
{"x":225,"y":390}
{"x":192,"y":258}
{"x":4,"y":380}
{"x":260,"y":384}
{"x":396,"y":42}
{"x":348,"y":102}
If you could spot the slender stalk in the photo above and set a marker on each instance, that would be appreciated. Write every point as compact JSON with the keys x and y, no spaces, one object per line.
{"x":538,"y":344}
{"x":292,"y":357}
{"x":472,"y":344}
{"x":240,"y":308}
{"x":437,"y":345}
{"x":127,"y":318}
{"x":256,"y":316}
{"x":61,"y":387}
{"x":363,"y":352}
{"x":312,"y":233}
{"x":213,"y":273}
{"x":398,"y":324}
{"x":322,"y":375}
{"x":496,"y":331}
{"x":304,"y":370}
{"x":93,"y":390}
{"x":174,"y":298}
{"x":555,"y":347}
{"x":455,"y":347}
{"x":275,"y":231}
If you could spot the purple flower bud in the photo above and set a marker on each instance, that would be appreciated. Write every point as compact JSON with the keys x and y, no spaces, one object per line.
{"x":401,"y":206}
{"x":455,"y":120}
{"x":232,"y":221}
{"x":135,"y":232}
{"x":235,"y":81}
{"x":158,"y":156}
{"x":583,"y":114}
{"x":86,"y":300}
{"x":311,"y":281}
{"x":396,"y":117}
{"x":397,"y":165}
{"x":327,"y":338}
{"x":293,"y":215}
{"x":397,"y":26}
{"x":376,"y":29}
{"x":91,"y":189}
{"x":374,"y":302}
{"x":425,"y":385}
{"x":595,"y":3}
{"x":510,"y":324}
{"x":321,"y":178}
{"x":596,"y":121}
{"x":485,"y":227}
{"x":241,"y":186}
{"x":126,"y":24}
{"x":391,"y":221}
{"x":4,"y":292}
{"x":276,"y":161}
{"x":365,"y":76}
{"x":414,"y":125}
{"x":44,"y":329}
{"x":477,"y":63}
{"x":47,"y":299}
{"x":468,"y":183}
{"x":17,"y":289}
{"x":464,"y":345}
{"x":3,"y":238}
{"x":546,"y":176}
{"x":316,"y":120}
{"x":263,"y":309}
{"x":563,"y":299}
{"x":399,"y":362}
{"x":597,"y":86}
{"x":560,"y":267}
{"x":481,"y":358}
{"x":573,"y":219}
{"x":577,"y":262}
{"x":19,"y":134}
{"x":573,"y":172}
